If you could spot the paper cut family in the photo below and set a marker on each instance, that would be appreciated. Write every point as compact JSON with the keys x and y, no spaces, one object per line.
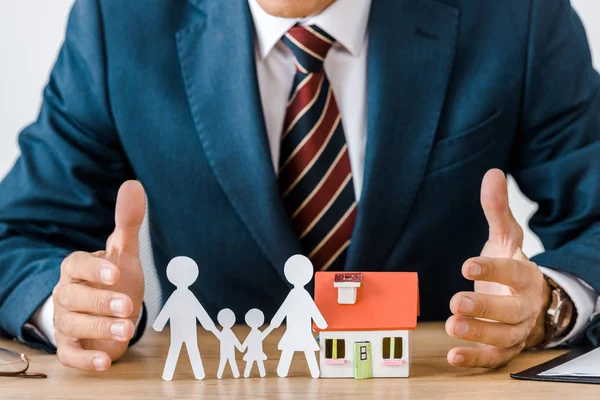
{"x":183,"y":308}
{"x":376,"y":329}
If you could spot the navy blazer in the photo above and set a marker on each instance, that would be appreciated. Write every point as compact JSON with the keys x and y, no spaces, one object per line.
{"x":165,"y":91}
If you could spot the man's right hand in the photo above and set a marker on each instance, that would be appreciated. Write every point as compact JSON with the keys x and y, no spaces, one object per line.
{"x":99,"y":296}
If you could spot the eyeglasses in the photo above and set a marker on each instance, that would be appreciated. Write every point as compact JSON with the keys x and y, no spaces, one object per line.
{"x":16,"y":364}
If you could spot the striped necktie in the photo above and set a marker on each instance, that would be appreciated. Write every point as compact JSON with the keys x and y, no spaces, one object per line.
{"x":315,"y":177}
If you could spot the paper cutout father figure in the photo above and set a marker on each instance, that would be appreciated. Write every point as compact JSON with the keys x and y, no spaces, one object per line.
{"x":181,"y":311}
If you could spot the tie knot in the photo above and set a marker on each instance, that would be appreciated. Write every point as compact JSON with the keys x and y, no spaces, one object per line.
{"x":310,"y":45}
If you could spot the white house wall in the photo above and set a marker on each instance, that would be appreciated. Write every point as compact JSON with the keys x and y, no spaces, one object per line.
{"x":376,"y":338}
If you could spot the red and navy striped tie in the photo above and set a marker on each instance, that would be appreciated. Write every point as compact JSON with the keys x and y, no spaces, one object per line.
{"x":315,"y":177}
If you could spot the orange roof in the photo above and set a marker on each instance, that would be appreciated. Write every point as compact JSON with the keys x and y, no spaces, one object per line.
{"x":385,"y":301}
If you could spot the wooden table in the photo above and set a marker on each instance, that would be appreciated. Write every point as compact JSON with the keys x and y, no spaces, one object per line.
{"x":139,"y":374}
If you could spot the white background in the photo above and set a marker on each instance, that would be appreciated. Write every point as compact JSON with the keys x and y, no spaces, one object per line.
{"x":31,"y":32}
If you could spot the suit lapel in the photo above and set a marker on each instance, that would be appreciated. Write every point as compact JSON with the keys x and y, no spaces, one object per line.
{"x":411,"y":53}
{"x":217,"y":58}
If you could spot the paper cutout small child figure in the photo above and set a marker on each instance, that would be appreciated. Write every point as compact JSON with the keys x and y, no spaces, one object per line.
{"x":298,"y":309}
{"x":182,"y":309}
{"x":254,"y":343}
{"x":229,"y":342}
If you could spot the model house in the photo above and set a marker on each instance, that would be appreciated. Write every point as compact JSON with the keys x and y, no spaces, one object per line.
{"x":370,"y":316}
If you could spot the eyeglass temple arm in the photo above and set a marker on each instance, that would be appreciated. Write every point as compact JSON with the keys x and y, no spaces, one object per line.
{"x":11,"y":362}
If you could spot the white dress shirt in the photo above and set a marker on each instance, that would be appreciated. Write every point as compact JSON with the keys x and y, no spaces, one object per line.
{"x":346,"y":68}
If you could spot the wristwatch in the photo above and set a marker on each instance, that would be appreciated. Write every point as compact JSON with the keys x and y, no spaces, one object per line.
{"x":561,"y":314}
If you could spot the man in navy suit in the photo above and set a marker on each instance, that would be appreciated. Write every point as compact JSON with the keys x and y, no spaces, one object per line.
{"x":367,"y":135}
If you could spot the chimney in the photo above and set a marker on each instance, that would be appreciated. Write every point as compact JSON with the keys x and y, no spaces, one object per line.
{"x":347,"y":284}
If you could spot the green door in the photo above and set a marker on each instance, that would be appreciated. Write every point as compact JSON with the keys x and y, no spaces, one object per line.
{"x":363,"y":363}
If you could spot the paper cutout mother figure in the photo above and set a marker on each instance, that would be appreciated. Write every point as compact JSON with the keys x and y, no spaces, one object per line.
{"x":299,"y":310}
{"x":182,"y":308}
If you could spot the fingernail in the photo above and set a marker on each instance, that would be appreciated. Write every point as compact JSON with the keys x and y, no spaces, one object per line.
{"x":118,"y":329}
{"x":466,"y":304}
{"x":461,"y":328}
{"x":475,"y":269}
{"x":106,"y":275}
{"x":99,"y":364}
{"x":459,"y":359}
{"x":116,"y":306}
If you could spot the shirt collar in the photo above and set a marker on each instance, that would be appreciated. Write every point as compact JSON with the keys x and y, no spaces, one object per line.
{"x":345,"y":20}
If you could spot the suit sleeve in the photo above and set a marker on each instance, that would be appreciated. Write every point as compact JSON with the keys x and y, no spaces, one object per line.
{"x":557,"y":158}
{"x":60,"y":195}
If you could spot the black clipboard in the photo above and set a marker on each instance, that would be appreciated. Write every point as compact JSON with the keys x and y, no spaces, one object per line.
{"x":532,"y":374}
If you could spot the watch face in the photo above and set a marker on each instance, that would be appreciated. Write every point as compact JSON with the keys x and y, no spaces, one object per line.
{"x":563,"y":317}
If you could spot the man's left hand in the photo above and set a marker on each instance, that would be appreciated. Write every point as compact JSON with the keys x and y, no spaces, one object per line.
{"x":506,"y":312}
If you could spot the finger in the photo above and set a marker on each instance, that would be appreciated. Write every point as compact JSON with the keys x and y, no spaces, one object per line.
{"x":485,"y":357}
{"x":506,"y":271}
{"x":81,"y":266}
{"x":486,"y":332}
{"x":503,"y":227}
{"x":72,"y":355}
{"x":507,"y":309}
{"x":84,"y":326}
{"x":85,"y":299}
{"x":129,"y":215}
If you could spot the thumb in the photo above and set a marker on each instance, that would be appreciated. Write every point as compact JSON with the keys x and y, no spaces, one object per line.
{"x":503,"y":227}
{"x":519,"y":255}
{"x":129,"y":215}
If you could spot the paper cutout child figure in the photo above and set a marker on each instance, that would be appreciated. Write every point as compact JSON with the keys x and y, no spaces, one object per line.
{"x":229,"y":342}
{"x":254,"y":343}
{"x":182,"y":309}
{"x":299,"y":309}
